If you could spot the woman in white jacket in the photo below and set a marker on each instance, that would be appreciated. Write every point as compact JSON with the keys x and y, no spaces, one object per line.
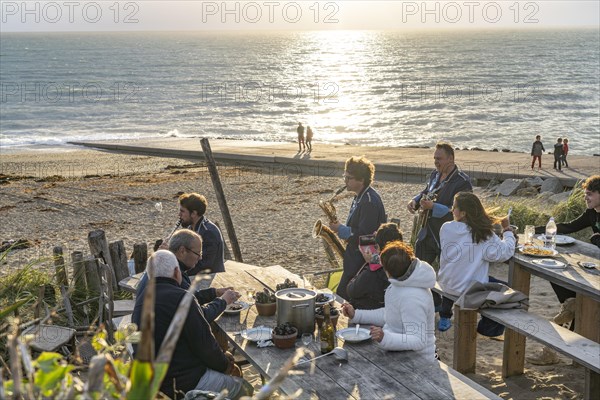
{"x":469,"y":244}
{"x":408,"y":318}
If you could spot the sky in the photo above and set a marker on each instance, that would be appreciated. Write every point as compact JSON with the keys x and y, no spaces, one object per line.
{"x":193,"y":15}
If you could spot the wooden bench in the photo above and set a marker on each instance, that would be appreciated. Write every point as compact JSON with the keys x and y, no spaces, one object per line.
{"x":584,"y":351}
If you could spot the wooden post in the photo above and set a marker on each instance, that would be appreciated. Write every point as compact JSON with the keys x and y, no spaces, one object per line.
{"x":78,"y":271}
{"x":119,"y":259}
{"x":216,"y":181}
{"x":99,"y":249}
{"x":91,"y":275}
{"x":227,"y":253}
{"x":140,"y":256}
{"x":465,"y":340}
{"x":60,"y":267}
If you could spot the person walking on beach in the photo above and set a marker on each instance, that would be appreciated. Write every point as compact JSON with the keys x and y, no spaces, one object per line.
{"x":309,"y":136}
{"x":565,"y":152}
{"x":537,"y":149}
{"x":558,"y":153}
{"x":300,"y":131}
{"x":366,"y":215}
{"x":192,"y":207}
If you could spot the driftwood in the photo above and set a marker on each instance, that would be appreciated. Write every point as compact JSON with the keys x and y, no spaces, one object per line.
{"x":216,"y":181}
{"x":140,"y":256}
{"x":59,"y":266}
{"x":78,"y":272}
{"x":119,"y":259}
{"x":91,"y":276}
{"x":99,"y":249}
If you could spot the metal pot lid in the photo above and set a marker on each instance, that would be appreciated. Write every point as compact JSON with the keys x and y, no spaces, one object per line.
{"x":295,"y":294}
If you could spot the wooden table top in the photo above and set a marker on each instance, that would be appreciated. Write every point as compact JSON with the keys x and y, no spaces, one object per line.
{"x":574,"y":276}
{"x":370,"y":372}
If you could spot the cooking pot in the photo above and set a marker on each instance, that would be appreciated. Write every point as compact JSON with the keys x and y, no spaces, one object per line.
{"x":297,"y":306}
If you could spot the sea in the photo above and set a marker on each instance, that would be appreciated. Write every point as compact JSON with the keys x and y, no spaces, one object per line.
{"x":491,"y":89}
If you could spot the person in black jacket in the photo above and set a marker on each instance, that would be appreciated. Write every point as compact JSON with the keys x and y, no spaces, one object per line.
{"x":590,"y":218}
{"x":365,"y":216}
{"x":197,"y":362}
{"x":187,"y":247}
{"x":558,"y":153}
{"x":367,"y":289}
{"x":444,"y":182}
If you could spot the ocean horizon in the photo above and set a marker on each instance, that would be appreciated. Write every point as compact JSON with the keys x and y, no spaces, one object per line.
{"x":485,"y":89}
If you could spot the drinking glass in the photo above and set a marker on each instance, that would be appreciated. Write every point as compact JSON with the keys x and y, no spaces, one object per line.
{"x":250,"y":293}
{"x":306,"y":338}
{"x":529,"y":233}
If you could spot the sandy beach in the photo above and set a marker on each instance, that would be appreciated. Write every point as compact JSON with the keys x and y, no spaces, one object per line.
{"x":273,"y":215}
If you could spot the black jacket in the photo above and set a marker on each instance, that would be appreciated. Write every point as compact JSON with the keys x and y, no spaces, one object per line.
{"x":590,"y":218}
{"x":366,"y":290}
{"x":213,"y":247}
{"x":196,"y":349}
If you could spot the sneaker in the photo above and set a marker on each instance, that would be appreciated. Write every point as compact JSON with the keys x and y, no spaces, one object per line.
{"x":444,"y":324}
{"x":566,"y":313}
{"x":544,"y":357}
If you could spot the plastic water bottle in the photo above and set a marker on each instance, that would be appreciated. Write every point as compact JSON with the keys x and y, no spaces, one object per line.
{"x":550,"y":238}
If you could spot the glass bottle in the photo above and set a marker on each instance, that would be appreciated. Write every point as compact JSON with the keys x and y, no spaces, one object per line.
{"x":327,"y":331}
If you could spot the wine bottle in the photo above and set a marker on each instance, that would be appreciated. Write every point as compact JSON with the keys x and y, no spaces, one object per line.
{"x":327,"y":332}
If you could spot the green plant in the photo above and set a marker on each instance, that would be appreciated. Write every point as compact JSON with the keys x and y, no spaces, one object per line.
{"x":265,"y":297}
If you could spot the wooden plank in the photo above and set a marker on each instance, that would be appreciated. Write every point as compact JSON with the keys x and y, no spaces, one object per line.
{"x":587,"y":315}
{"x":465,"y":340}
{"x":573,"y":345}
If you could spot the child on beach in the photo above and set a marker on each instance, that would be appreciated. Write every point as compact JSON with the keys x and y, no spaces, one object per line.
{"x":558,"y":153}
{"x":537,"y":149}
{"x":407,"y":321}
{"x":565,"y":151}
{"x":468,"y":246}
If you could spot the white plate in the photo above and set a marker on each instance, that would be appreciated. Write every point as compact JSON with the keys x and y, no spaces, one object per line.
{"x":329,"y":299}
{"x":550,"y":263}
{"x":256,"y":334}
{"x":349,"y":335}
{"x":561,"y":240}
{"x":229,"y":310}
{"x":553,"y":254}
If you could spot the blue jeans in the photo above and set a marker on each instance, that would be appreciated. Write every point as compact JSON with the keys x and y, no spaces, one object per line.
{"x":486,"y":326}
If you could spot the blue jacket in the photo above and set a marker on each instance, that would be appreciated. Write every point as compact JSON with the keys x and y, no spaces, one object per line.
{"x":213,"y":249}
{"x":442,"y":206}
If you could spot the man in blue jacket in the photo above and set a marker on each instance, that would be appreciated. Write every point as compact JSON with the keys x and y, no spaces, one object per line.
{"x":192,"y":207}
{"x":365,"y":216}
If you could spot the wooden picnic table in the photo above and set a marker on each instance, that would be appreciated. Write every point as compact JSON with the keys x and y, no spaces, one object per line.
{"x":370,"y":372}
{"x":586,"y":284}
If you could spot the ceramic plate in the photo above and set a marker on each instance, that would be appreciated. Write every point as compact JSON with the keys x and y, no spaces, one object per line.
{"x":561,"y":240}
{"x":538,"y":251}
{"x":236,"y":307}
{"x":550,"y":263}
{"x":349,"y":335}
{"x":256,"y":334}
{"x":329,"y":298}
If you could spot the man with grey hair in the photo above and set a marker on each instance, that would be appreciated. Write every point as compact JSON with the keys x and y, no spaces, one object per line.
{"x":197,"y":362}
{"x":187,"y":247}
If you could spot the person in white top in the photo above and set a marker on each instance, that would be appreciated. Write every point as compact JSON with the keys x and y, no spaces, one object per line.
{"x":407,"y":321}
{"x":468,"y":245}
